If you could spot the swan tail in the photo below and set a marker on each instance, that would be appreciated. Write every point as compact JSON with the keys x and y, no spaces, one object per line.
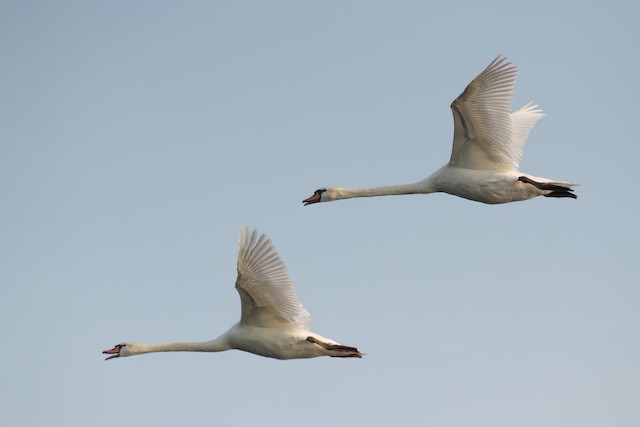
{"x":555,"y":189}
{"x":337,"y":350}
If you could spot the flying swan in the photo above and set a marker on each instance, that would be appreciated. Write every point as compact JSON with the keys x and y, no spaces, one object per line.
{"x":488,"y":141}
{"x":273,"y":322}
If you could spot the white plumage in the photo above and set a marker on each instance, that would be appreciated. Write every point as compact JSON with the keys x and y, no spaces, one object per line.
{"x":273,"y":322}
{"x":266,"y":292}
{"x":488,"y":142}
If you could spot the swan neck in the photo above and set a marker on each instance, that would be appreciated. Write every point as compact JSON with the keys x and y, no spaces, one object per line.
{"x":387,"y":190}
{"x":207,"y":346}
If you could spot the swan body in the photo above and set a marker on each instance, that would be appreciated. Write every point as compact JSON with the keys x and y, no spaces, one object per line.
{"x":273,"y":322}
{"x":488,"y":143}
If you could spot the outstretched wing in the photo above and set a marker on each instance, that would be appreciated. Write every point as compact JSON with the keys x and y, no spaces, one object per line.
{"x":482,"y":137}
{"x":522,"y":122}
{"x":266,"y":292}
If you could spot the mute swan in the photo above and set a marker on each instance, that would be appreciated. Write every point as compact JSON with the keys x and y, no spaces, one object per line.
{"x":488,"y":141}
{"x":273,"y":322}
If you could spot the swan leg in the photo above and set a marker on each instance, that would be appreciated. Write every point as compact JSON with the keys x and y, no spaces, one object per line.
{"x":565,"y":193}
{"x":556,"y":190}
{"x":348,"y":351}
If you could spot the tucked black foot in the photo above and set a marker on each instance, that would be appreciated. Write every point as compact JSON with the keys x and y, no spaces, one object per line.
{"x":348,"y":351}
{"x":561,"y":194}
{"x":556,"y":190}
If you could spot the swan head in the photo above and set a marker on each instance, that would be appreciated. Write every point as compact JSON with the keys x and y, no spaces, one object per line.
{"x":326,"y":194}
{"x":120,"y":350}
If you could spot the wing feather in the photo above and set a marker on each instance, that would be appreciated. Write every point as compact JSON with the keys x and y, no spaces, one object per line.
{"x":482,"y":119}
{"x":522,"y":121}
{"x":266,"y":292}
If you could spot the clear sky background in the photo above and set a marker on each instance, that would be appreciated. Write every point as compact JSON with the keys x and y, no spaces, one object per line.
{"x":137,"y":137}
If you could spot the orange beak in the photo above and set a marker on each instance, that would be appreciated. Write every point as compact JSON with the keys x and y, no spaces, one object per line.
{"x":115,"y":351}
{"x":313,"y":199}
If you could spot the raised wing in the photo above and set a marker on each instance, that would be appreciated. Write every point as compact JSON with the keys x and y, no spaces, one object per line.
{"x":522,"y":122}
{"x":266,"y":292}
{"x":482,"y":137}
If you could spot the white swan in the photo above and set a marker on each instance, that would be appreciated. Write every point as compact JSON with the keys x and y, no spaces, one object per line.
{"x":273,"y":322}
{"x":488,"y":141}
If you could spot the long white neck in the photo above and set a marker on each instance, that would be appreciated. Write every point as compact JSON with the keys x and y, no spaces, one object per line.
{"x":422,"y":187}
{"x":210,"y":346}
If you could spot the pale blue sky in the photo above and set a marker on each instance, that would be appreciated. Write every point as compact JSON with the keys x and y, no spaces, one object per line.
{"x":136,"y":138}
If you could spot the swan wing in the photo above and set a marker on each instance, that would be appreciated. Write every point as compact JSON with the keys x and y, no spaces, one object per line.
{"x":482,"y":137}
{"x":266,"y":292}
{"x":522,"y":122}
